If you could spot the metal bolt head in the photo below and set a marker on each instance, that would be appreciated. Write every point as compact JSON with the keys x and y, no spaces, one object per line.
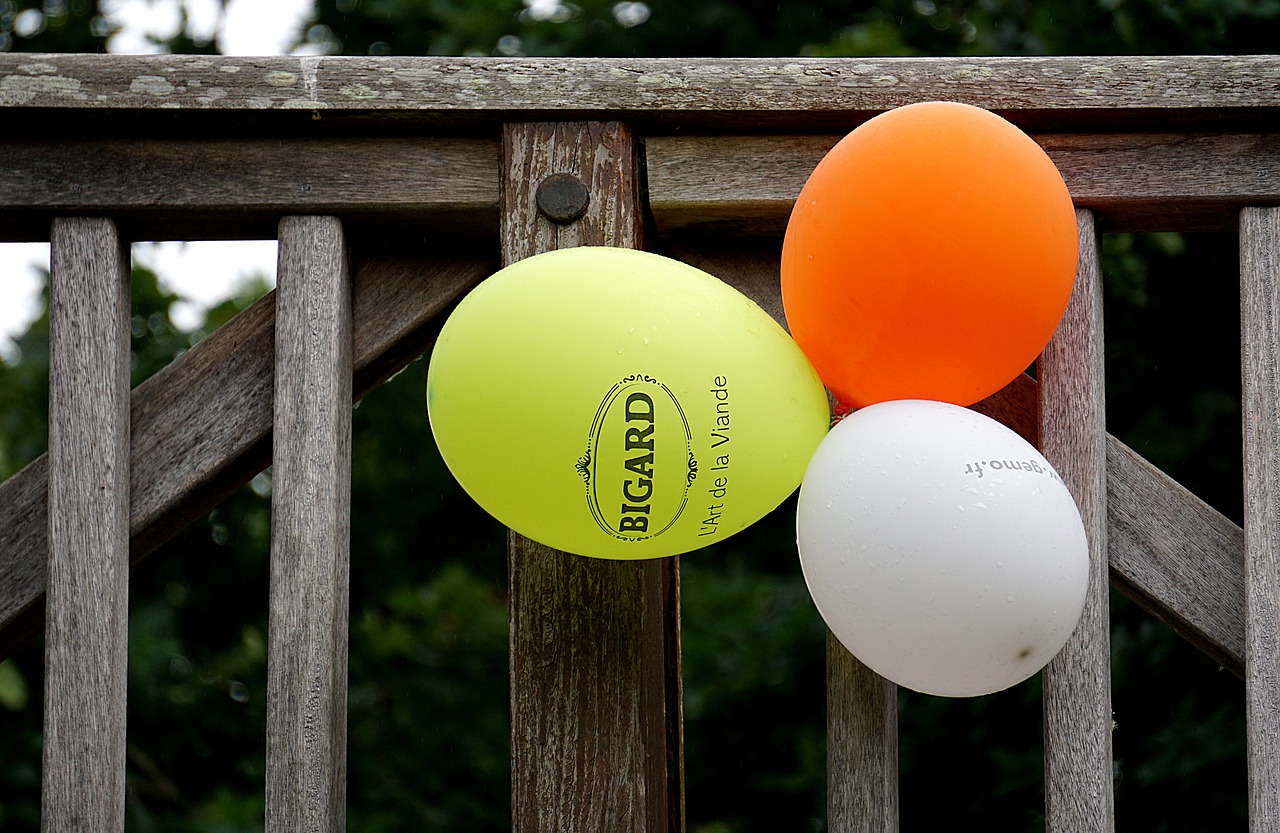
{"x":562,"y":198}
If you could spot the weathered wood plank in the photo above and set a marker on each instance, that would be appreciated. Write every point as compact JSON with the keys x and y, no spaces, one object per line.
{"x":1073,"y":437}
{"x":712,"y":92}
{"x":1181,"y":560}
{"x":158,"y":188}
{"x":202,"y":426}
{"x":180,"y":188}
{"x":87,"y":605}
{"x":1260,"y":355}
{"x":1017,"y":407}
{"x":595,"y":681}
{"x":1167,"y":181}
{"x":310,"y":531}
{"x":862,"y":746}
{"x":750,"y":265}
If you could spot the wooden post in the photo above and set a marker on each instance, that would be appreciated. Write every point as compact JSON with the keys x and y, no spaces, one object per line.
{"x":862,"y":746}
{"x":1260,"y":333}
{"x":1079,"y":797}
{"x":310,"y":531}
{"x":87,"y":578}
{"x":595,"y":659}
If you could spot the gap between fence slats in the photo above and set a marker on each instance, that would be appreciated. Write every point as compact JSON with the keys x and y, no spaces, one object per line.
{"x":310,"y":531}
{"x":1260,"y":355}
{"x":190,"y":189}
{"x":87,"y":605}
{"x":202,"y":425}
{"x":1162,"y":181}
{"x":1079,"y":797}
{"x":595,"y":658}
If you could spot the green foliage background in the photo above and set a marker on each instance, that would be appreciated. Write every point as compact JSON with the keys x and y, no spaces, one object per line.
{"x":428,"y":691}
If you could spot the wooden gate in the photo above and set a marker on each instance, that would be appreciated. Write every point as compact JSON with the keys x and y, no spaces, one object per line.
{"x":689,"y":155}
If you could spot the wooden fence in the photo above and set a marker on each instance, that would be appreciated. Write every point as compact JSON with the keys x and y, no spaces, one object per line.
{"x":352,"y":162}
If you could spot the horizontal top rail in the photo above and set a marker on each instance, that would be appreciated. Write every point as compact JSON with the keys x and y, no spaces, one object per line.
{"x":1040,"y":92}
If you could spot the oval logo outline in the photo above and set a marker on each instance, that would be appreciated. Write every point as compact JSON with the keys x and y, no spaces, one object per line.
{"x":637,"y":406}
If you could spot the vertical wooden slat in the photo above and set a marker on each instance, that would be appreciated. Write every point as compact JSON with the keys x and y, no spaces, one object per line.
{"x":1077,"y":684}
{"x":862,"y":746}
{"x":87,"y":574}
{"x":1260,"y":360}
{"x":595,"y":661}
{"x":310,"y":531}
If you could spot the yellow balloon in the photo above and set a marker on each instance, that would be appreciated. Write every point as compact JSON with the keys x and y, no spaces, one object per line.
{"x":619,"y":404}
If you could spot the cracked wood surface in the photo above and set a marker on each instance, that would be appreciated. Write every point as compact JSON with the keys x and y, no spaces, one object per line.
{"x":662,"y":90}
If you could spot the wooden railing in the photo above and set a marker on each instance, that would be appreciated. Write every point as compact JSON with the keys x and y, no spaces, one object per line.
{"x":351,"y":163}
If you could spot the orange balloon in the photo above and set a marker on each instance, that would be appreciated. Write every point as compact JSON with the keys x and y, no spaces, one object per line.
{"x":930,"y":255}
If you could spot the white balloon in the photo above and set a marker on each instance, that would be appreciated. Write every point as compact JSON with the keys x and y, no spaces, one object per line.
{"x":941,"y":548}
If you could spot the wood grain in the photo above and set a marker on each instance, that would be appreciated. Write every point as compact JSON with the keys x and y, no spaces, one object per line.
{"x":1181,"y":560}
{"x":310,"y":531}
{"x":595,"y":657}
{"x":750,"y":265}
{"x":761,"y":91}
{"x":1073,"y":435}
{"x":601,"y":155}
{"x":862,"y":746}
{"x":1131,"y":181}
{"x":1017,"y":407}
{"x":1260,"y":359}
{"x":202,"y":425}
{"x":158,"y":188}
{"x":87,"y":605}
{"x":164,"y":188}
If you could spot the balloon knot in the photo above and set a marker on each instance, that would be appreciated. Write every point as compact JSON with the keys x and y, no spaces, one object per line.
{"x":839,"y":412}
